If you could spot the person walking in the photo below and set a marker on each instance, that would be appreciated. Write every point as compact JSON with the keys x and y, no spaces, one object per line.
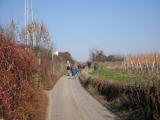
{"x":68,"y":68}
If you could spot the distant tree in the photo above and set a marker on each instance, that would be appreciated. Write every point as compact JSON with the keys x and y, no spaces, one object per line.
{"x":10,"y":31}
{"x":98,"y":56}
{"x":89,"y":64}
{"x":111,"y":58}
{"x":115,"y":58}
{"x":66,"y":56}
{"x":1,"y":29}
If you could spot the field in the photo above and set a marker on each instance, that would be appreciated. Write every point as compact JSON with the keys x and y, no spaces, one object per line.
{"x":133,"y":95}
{"x":115,"y":76}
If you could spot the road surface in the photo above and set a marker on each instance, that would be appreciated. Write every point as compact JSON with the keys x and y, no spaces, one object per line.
{"x":68,"y":100}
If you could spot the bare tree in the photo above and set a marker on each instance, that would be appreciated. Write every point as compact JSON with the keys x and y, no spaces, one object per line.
{"x":37,"y":36}
{"x":10,"y":32}
{"x":1,"y":29}
{"x":98,"y":56}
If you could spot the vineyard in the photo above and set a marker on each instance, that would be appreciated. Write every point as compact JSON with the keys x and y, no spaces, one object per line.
{"x":132,"y":89}
{"x":142,"y":64}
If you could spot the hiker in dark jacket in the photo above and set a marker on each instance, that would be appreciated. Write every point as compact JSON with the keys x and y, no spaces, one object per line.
{"x":74,"y":71}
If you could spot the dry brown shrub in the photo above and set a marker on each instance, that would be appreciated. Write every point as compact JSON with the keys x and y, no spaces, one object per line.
{"x":20,"y":99}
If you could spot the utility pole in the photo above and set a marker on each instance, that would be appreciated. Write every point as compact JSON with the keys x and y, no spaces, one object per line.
{"x":33,"y":24}
{"x":25,"y":36}
{"x":29,"y":20}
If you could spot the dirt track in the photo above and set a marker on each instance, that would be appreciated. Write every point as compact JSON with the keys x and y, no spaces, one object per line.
{"x":69,"y":101}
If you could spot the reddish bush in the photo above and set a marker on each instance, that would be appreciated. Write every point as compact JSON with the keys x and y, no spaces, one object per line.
{"x":17,"y":89}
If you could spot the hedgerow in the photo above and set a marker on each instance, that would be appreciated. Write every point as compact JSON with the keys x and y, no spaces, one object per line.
{"x":19,"y":96}
{"x":142,"y":100}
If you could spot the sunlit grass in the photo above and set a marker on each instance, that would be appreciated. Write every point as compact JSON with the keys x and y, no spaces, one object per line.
{"x":115,"y":76}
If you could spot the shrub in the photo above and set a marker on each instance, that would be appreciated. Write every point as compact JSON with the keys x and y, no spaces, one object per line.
{"x":19,"y":96}
{"x":144,"y":98}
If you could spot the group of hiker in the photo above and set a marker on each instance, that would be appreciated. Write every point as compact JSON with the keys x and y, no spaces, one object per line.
{"x":73,"y":70}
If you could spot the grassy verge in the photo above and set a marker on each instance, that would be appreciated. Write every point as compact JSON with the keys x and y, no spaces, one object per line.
{"x":115,"y":76}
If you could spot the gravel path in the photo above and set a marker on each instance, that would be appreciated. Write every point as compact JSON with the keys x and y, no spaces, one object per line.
{"x":68,"y":100}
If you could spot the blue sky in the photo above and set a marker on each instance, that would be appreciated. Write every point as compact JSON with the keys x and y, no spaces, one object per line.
{"x":79,"y":26}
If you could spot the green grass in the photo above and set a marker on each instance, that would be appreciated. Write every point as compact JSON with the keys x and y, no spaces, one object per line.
{"x":114,"y":76}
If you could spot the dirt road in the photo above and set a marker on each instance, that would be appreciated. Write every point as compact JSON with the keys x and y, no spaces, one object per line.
{"x":69,"y":101}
